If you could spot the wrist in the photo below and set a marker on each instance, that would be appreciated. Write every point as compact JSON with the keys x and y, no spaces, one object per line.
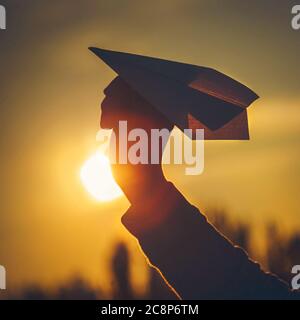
{"x":154,"y":209}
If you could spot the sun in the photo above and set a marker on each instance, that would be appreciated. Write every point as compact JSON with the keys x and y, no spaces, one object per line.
{"x":98,"y":180}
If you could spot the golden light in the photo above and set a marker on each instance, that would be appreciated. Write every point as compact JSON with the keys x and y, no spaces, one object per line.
{"x":97,"y":178}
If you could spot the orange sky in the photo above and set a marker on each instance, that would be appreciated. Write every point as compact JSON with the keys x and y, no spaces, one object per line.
{"x":50,"y":92}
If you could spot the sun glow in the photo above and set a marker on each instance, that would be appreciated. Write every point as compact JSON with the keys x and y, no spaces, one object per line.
{"x":97,"y":178}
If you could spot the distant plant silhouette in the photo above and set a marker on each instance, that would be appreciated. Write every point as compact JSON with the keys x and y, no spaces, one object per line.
{"x":75,"y":289}
{"x":120,"y":267}
{"x":281,"y":254}
{"x":238,"y":233}
{"x":157,"y":288}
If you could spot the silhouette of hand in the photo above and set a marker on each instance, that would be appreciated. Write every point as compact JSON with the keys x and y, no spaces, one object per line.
{"x":123,"y":104}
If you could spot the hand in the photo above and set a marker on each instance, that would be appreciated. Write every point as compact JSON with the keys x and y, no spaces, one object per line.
{"x":123,"y":104}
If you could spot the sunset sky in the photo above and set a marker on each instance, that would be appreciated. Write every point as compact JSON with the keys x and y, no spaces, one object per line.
{"x":50,"y":93}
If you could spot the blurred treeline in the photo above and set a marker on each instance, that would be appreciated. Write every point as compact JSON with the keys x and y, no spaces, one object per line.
{"x":280,"y":255}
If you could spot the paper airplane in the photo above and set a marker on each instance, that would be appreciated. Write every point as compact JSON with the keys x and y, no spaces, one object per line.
{"x":192,"y":97}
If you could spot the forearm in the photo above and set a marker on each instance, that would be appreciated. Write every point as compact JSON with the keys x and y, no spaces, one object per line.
{"x":196,"y":260}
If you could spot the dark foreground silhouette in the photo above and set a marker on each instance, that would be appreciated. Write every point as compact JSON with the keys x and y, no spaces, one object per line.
{"x":281,"y":254}
{"x":196,"y":260}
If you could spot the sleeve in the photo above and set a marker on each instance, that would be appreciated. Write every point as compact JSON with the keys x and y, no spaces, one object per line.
{"x":196,"y":260}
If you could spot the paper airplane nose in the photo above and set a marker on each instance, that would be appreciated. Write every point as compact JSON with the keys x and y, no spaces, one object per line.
{"x":190,"y":96}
